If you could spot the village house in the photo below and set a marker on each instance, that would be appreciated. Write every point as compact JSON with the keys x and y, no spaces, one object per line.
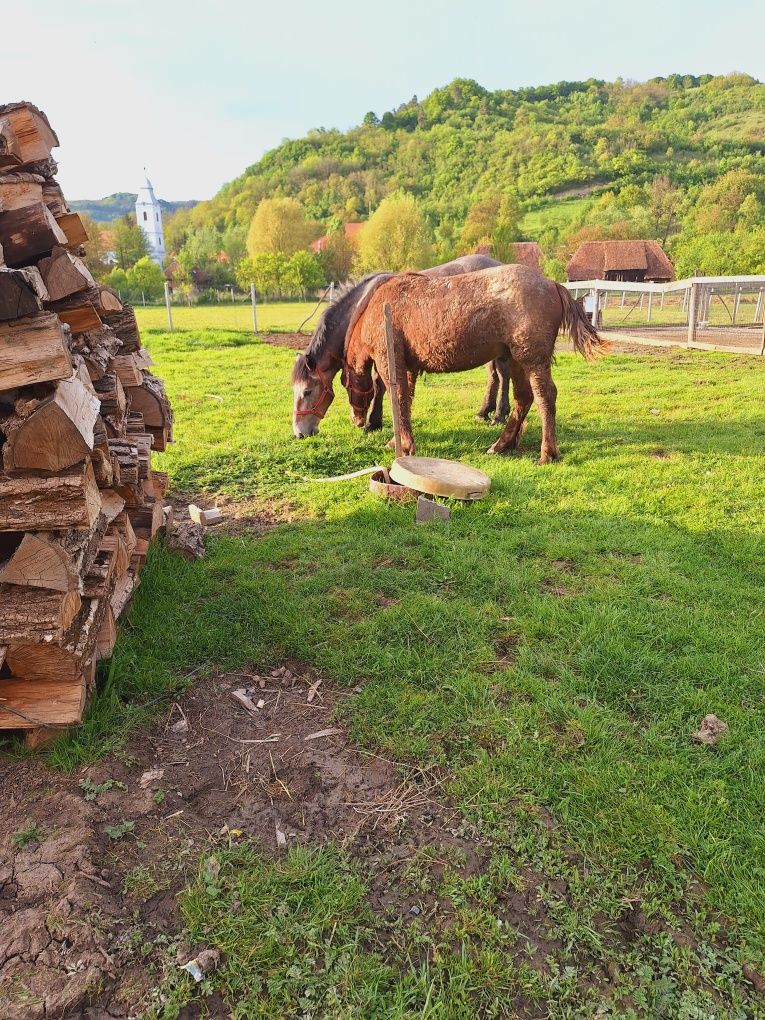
{"x":625,"y":261}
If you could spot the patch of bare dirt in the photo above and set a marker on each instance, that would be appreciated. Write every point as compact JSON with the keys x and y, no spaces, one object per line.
{"x":240,"y":516}
{"x":105,"y":852}
{"x":295,"y":341}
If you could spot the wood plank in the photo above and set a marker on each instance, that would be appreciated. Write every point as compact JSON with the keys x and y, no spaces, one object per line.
{"x":33,"y":350}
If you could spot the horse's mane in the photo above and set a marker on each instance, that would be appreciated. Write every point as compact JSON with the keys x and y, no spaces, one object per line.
{"x":334,"y":319}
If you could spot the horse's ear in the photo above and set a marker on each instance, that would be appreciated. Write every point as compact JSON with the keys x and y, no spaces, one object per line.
{"x":310,"y":361}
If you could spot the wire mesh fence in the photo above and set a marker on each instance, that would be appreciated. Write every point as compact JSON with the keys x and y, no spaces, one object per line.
{"x":720,"y":313}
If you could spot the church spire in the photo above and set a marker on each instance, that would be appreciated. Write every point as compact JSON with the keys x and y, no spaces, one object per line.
{"x":148,"y":214}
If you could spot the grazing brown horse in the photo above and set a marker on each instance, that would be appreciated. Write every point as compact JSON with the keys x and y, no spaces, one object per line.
{"x":458,"y":323}
{"x":314,"y":371}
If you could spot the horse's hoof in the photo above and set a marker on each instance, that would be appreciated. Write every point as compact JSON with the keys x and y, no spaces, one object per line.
{"x":499,"y":421}
{"x":494,"y":449}
{"x":548,"y":458}
{"x":391,"y":444}
{"x":482,"y":417}
{"x":372,"y":427}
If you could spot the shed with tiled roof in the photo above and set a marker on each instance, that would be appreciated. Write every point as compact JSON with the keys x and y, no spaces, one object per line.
{"x":632,"y":261}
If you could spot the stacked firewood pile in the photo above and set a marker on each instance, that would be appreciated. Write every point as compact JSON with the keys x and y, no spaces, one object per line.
{"x":79,"y":416}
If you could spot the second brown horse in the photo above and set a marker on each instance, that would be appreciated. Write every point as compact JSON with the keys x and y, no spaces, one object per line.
{"x":461,"y":322}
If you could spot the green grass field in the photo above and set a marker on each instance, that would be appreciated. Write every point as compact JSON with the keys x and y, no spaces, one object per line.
{"x":552,"y":648}
{"x":281,"y":317}
{"x":555,"y":214}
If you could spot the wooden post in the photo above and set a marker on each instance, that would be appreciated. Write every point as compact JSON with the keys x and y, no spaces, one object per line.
{"x":736,"y":300}
{"x":167,"y":305}
{"x":758,"y":306}
{"x":692,"y":309}
{"x":254,"y":309}
{"x":650,"y":304}
{"x":390,"y":343}
{"x":624,"y":297}
{"x":331,"y":291}
{"x":661,"y":303}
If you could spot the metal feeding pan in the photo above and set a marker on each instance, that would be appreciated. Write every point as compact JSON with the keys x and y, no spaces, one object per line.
{"x":440,"y":477}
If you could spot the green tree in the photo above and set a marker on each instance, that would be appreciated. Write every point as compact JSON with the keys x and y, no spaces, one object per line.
{"x":267,"y":271}
{"x":145,"y":279}
{"x":396,"y":237}
{"x":129,"y":241}
{"x":279,"y":227}
{"x":117,"y":280}
{"x":96,"y":248}
{"x":304,"y":272}
{"x":506,"y":229}
{"x":337,"y":255}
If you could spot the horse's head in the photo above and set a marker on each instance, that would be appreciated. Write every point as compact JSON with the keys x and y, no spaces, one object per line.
{"x":313,"y":394}
{"x":360,"y":387}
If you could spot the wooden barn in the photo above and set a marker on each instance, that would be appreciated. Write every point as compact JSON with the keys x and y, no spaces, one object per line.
{"x":631,"y":261}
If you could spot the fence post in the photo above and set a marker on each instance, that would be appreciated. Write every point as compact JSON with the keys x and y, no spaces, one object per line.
{"x":692,"y":308}
{"x":736,"y":300}
{"x":650,"y":304}
{"x":596,"y":308}
{"x":331,"y":291}
{"x":758,"y":306}
{"x":254,"y":309}
{"x":167,"y":305}
{"x":624,"y":297}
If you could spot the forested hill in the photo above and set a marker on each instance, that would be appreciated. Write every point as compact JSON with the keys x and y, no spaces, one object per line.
{"x":463,"y":143}
{"x":102,"y":210}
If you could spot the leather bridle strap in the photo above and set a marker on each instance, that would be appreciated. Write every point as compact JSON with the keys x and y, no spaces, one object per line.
{"x":316,"y":409}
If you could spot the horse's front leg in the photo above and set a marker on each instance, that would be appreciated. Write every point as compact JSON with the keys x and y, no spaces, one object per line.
{"x":490,"y":395}
{"x":545,"y":394}
{"x":375,"y":420}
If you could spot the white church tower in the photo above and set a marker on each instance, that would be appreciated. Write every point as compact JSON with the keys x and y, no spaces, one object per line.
{"x":149,"y":216}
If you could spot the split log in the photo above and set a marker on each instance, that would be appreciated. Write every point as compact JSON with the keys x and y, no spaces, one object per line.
{"x":64,"y":274}
{"x":112,"y":505}
{"x":33,"y":350}
{"x":35,"y":614}
{"x":73,"y":229}
{"x":126,"y":328}
{"x":138,"y":559}
{"x":128,"y":370}
{"x":43,"y":560}
{"x":187,"y":538}
{"x":151,"y":400}
{"x":29,"y":232}
{"x":54,"y":560}
{"x":37,"y":502}
{"x":57,"y":435}
{"x":99,"y":580}
{"x":21,"y":293}
{"x":25,"y":704}
{"x":25,"y":135}
{"x":123,"y":525}
{"x":19,"y":190}
{"x":53,"y":197}
{"x":126,"y":453}
{"x":66,"y":661}
{"x":114,"y":542}
{"x":114,"y":405}
{"x":80,"y":317}
{"x":97,"y":348}
{"x":123,"y":592}
{"x":107,"y":635}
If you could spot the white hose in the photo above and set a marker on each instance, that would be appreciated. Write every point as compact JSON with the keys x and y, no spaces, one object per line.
{"x":353,"y":474}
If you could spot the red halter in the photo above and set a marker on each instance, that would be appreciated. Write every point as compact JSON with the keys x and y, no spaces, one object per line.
{"x":316,"y":408}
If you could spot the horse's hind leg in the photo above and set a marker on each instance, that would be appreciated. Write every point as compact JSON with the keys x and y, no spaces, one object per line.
{"x":545,"y":393}
{"x":375,"y":420}
{"x":502,"y":370}
{"x":490,"y":396}
{"x":523,"y":398}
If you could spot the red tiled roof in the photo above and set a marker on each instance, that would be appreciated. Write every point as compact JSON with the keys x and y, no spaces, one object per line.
{"x":593,"y":259}
{"x":350,"y":230}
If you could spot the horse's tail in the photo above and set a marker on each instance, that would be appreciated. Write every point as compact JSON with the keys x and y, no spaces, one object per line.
{"x":587,"y":341}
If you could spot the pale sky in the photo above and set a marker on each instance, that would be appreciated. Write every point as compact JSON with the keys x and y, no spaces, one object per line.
{"x":197,"y":91}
